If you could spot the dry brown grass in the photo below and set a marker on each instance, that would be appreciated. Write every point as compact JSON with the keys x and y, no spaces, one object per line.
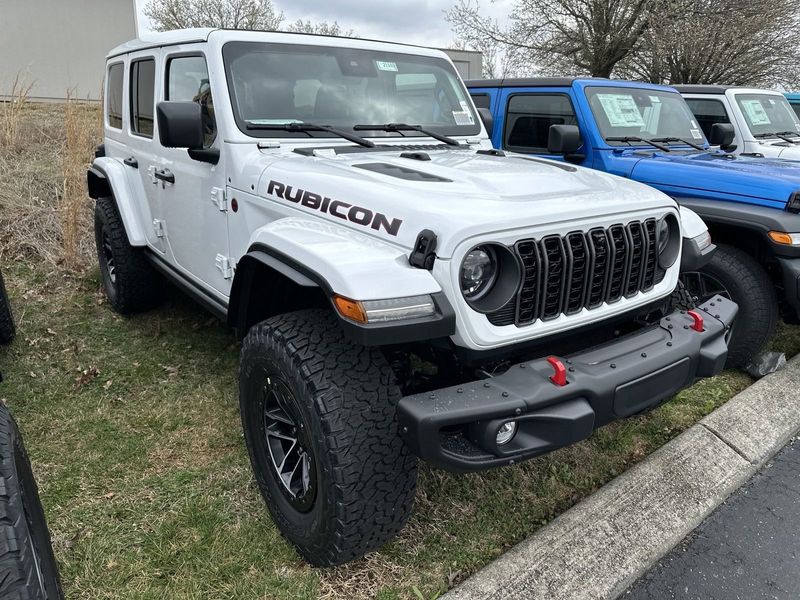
{"x":12,"y":110}
{"x":45,"y":214}
{"x":80,"y":139}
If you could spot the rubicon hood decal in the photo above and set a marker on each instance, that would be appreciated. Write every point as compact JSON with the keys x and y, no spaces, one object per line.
{"x":342,"y":210}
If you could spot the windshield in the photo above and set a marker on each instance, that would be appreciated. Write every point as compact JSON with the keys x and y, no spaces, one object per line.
{"x":767,"y":114}
{"x":642,"y":113}
{"x":277,"y":84}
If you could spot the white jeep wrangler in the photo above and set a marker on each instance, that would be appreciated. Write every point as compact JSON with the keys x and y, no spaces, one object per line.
{"x":402,"y":290}
{"x":764,"y":123}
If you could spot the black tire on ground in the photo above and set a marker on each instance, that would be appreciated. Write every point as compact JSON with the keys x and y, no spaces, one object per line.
{"x":356,"y":482}
{"x":7,"y":328}
{"x":745,"y":282}
{"x":681,"y":299}
{"x":131,"y":283}
{"x":28,"y":569}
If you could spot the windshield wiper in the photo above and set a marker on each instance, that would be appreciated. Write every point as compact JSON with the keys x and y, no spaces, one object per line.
{"x":784,"y":135}
{"x":307,"y":127}
{"x":681,"y":140}
{"x":401,"y":127}
{"x":628,"y":139}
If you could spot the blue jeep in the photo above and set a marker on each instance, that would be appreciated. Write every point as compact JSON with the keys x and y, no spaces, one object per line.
{"x":794,"y":100}
{"x":647,"y":133}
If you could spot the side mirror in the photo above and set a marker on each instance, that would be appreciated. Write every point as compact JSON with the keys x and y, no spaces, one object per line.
{"x":488,"y":120}
{"x":722,"y":135}
{"x":180,"y":125}
{"x":564,"y":139}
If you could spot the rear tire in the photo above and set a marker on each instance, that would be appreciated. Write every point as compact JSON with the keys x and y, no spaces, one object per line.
{"x":7,"y":328}
{"x":744,"y":281}
{"x":28,"y":569}
{"x":349,"y":486}
{"x":131,"y":283}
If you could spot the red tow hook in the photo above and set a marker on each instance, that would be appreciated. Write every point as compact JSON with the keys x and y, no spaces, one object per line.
{"x":559,"y":377}
{"x":698,"y":320}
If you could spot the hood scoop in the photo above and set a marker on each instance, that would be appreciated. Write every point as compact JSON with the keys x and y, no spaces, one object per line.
{"x":401,"y":172}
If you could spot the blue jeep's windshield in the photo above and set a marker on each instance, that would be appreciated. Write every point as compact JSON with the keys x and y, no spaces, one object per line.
{"x":768,"y":114}
{"x":273,"y":85}
{"x":622,"y":112}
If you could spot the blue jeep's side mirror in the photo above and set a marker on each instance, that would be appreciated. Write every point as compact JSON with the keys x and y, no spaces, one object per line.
{"x":722,"y":135}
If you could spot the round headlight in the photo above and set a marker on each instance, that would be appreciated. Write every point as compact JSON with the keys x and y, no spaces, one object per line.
{"x":478,"y":272}
{"x":668,"y":239}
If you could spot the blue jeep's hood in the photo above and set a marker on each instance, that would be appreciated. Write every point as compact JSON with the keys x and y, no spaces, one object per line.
{"x":762,"y":181}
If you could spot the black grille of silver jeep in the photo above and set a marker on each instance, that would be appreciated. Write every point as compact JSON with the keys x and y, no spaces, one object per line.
{"x":565,"y":274}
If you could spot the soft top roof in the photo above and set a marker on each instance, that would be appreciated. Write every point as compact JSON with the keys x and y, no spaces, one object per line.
{"x":189,"y":36}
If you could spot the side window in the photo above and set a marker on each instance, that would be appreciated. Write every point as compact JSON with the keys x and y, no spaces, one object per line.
{"x":529,"y":119}
{"x":114,"y":95}
{"x":482,"y":100}
{"x":188,"y":81}
{"x":707,"y":112}
{"x":143,"y":81}
{"x":796,"y":107}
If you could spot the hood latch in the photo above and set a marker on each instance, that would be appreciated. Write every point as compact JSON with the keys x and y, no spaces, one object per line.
{"x":424,"y":253}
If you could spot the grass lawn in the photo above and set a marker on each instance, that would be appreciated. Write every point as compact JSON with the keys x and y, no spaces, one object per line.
{"x":133,"y":429}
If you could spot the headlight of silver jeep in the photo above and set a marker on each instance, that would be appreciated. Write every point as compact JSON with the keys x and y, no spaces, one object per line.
{"x":668,"y":238}
{"x":489,"y":277}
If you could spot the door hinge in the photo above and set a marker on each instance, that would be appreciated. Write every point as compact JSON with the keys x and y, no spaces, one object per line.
{"x":158,"y":227}
{"x":219,"y":199}
{"x":225,"y":266}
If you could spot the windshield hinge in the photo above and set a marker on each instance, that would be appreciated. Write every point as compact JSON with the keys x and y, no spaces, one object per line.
{"x":225,"y":266}
{"x":424,"y":253}
{"x":219,"y":199}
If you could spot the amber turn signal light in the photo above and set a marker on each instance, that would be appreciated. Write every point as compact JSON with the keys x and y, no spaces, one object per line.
{"x":350,"y":309}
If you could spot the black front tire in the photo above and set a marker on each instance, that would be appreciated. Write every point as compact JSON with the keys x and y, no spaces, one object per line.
{"x":740,"y":278}
{"x":7,"y":328}
{"x":132,"y":284}
{"x":341,"y":398}
{"x":28,"y":569}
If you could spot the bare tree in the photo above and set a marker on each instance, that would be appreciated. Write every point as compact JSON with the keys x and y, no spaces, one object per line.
{"x":499,"y":59}
{"x":301,"y":26}
{"x":562,"y":36}
{"x":736,"y":43}
{"x":228,"y":14}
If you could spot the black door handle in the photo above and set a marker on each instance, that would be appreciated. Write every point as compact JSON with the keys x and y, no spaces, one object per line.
{"x":165,"y":175}
{"x":132,"y":162}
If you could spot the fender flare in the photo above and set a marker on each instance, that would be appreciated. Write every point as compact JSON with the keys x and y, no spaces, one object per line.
{"x":759,"y":220}
{"x":108,"y":178}
{"x":379,"y":334}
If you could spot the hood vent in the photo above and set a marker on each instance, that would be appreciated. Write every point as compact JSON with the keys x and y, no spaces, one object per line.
{"x":402,"y":172}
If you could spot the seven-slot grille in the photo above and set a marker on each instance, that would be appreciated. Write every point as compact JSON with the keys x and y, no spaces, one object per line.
{"x":565,"y":274}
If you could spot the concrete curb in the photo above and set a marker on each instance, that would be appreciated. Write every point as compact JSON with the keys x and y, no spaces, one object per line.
{"x":598,"y":548}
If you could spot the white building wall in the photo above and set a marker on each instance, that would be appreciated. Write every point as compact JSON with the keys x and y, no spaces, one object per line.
{"x":60,"y":45}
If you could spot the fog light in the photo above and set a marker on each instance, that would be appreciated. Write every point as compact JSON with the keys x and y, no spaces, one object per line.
{"x":506,"y":432}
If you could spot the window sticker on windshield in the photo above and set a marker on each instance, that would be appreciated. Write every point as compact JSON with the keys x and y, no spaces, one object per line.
{"x":655,"y":99}
{"x":463,"y":117}
{"x":621,"y":110}
{"x":696,"y":134}
{"x":694,"y":124}
{"x":755,"y":112}
{"x":385,"y":66}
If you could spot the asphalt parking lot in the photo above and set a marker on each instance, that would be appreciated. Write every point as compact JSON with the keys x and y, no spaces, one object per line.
{"x":747,"y":549}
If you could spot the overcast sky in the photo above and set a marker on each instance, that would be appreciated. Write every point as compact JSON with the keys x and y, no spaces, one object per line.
{"x":411,"y":21}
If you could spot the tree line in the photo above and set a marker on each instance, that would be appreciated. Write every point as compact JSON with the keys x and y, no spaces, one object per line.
{"x":735,"y":42}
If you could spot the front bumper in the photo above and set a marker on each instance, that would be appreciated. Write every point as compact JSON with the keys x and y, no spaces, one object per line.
{"x":455,"y":428}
